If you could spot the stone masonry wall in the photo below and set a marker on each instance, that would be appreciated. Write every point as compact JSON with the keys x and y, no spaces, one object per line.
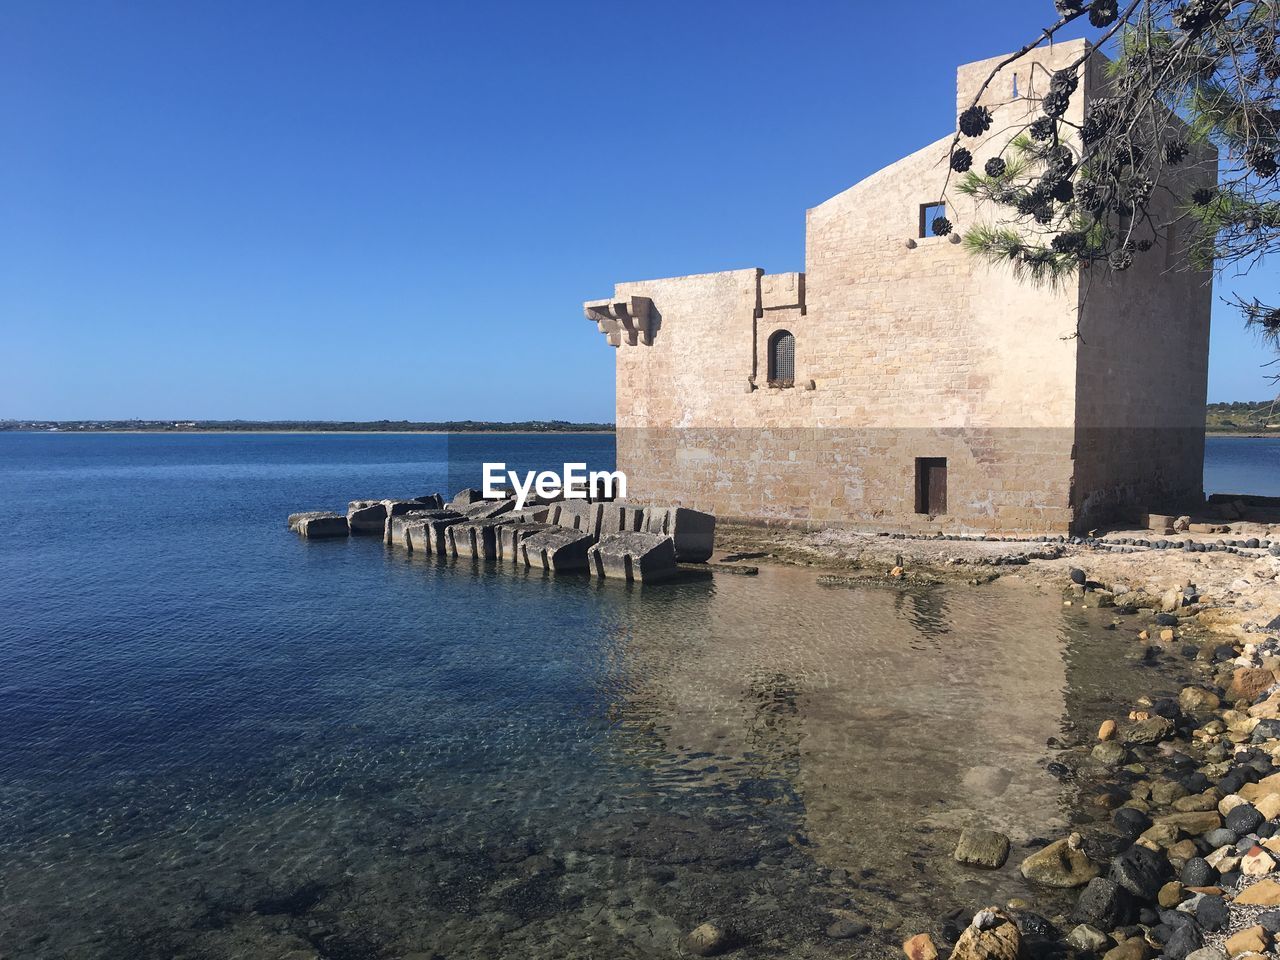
{"x":905,"y":347}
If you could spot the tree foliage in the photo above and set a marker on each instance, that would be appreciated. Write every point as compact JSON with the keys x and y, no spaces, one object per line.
{"x":1184,"y":79}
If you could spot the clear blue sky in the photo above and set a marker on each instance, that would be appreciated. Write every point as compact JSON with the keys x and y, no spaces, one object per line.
{"x":339,"y":210}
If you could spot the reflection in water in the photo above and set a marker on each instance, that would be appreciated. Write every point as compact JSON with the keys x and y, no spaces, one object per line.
{"x":509,"y":764}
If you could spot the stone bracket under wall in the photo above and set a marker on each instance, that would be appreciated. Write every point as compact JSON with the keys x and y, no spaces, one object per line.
{"x":622,"y":322}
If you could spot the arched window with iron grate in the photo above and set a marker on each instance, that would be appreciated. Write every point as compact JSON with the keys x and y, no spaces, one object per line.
{"x":782,"y":359}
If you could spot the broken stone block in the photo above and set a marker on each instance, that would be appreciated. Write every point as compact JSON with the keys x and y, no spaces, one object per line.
{"x":621,"y":516}
{"x":315,"y":526}
{"x":367,"y":516}
{"x":693,"y":531}
{"x":514,"y":533}
{"x":432,"y":501}
{"x":476,"y":537}
{"x":297,"y":518}
{"x":559,"y":549}
{"x":465,"y":498}
{"x":489,"y":508}
{"x":430,"y":535}
{"x":578,"y":515}
{"x":633,"y":555}
{"x":399,"y":525}
{"x":398,"y":508}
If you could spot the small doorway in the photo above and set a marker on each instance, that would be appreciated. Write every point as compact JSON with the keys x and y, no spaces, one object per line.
{"x":931,"y":485}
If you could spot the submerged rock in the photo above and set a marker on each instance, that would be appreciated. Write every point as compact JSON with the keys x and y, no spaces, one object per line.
{"x":978,"y":847}
{"x":709,"y":939}
{"x":1061,"y":864}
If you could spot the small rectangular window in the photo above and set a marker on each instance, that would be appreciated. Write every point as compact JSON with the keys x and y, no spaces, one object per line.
{"x":930,"y":212}
{"x":931,"y":485}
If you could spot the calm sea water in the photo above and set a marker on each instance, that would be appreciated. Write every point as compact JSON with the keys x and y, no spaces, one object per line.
{"x":220,"y":741}
{"x":1242,"y":465}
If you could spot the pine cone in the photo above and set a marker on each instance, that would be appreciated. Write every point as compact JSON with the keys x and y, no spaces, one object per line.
{"x":1121,"y":260}
{"x":1175,"y":151}
{"x":1055,"y":103}
{"x":1067,"y":8}
{"x":1064,"y":191}
{"x":941,"y":226}
{"x":961,"y":160}
{"x":1044,"y":213}
{"x":1042,"y":129}
{"x":995,"y":167}
{"x":1203,"y":196}
{"x":975,"y":121}
{"x":1064,"y":81}
{"x":1068,"y":242}
{"x":1261,"y":160}
{"x":1103,"y":13}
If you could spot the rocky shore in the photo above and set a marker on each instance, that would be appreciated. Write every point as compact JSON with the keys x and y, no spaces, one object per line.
{"x":1186,"y":866}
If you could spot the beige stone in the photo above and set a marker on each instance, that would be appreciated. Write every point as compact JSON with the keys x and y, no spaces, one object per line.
{"x":1135,"y":948}
{"x":920,"y":947}
{"x":1253,"y":939}
{"x":1247,"y":683}
{"x":1257,"y":863}
{"x":1269,"y":806}
{"x":1107,"y":730}
{"x":1264,"y":893}
{"x":1000,"y":941}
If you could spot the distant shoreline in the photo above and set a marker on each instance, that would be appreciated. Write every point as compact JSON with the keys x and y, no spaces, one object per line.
{"x":336,"y":433}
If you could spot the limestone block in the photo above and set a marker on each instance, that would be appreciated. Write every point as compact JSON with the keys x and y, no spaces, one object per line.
{"x":367,"y":516}
{"x":559,"y":549}
{"x":398,"y":508}
{"x":515,"y":532}
{"x":694,"y":532}
{"x":476,"y":537}
{"x":315,"y":526}
{"x":297,"y":518}
{"x":489,"y":508}
{"x":399,"y":525}
{"x":431,"y":535}
{"x":578,"y":515}
{"x":620,"y":516}
{"x":432,"y":501}
{"x":632,"y":555}
{"x":465,"y":498}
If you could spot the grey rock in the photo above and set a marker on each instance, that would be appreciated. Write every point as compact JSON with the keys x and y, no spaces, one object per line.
{"x":1141,"y":871}
{"x":646,"y":557}
{"x":1104,"y":904}
{"x":367,"y":516}
{"x":692,"y":531}
{"x":323,"y":526}
{"x":558,"y":549}
{"x":1088,"y":939}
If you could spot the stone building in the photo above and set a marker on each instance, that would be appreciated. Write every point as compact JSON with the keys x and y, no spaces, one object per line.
{"x":901,"y":383}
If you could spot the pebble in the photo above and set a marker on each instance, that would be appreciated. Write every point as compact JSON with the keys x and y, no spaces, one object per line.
{"x":708,"y":939}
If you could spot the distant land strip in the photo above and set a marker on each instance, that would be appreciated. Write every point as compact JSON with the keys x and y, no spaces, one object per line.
{"x":304,"y":426}
{"x":1244,"y":416}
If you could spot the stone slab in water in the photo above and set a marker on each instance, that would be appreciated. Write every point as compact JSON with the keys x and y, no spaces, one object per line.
{"x":324,"y":525}
{"x":476,"y":538}
{"x":578,"y":515}
{"x":558,"y":548}
{"x":431,"y":535}
{"x":398,"y":508}
{"x":399,"y":525}
{"x":297,"y":518}
{"x":693,"y":531}
{"x":646,"y":557}
{"x":982,"y":848}
{"x":367,"y":516}
{"x":511,"y":535}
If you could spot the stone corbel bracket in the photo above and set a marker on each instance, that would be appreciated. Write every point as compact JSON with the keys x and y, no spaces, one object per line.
{"x":622,"y":322}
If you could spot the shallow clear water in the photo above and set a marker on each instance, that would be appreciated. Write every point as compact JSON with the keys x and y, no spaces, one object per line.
{"x":218,"y":740}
